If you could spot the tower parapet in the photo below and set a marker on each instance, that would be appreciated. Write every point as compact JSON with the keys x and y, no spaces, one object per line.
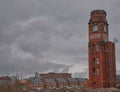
{"x":98,"y":15}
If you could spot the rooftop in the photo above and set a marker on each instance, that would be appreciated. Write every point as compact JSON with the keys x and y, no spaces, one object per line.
{"x":61,"y":80}
{"x":98,"y":11}
{"x":48,"y":80}
{"x":36,"y":80}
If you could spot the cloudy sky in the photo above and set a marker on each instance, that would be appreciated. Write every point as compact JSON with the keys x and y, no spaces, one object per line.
{"x":51,"y":35}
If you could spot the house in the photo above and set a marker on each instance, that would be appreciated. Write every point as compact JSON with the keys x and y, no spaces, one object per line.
{"x":61,"y":82}
{"x":49,"y":83}
{"x":35,"y":83}
{"x":5,"y":80}
{"x":82,"y":82}
{"x":72,"y":82}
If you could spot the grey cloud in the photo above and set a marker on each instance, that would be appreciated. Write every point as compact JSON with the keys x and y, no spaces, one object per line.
{"x":47,"y":35}
{"x":28,"y":64}
{"x":81,"y":74}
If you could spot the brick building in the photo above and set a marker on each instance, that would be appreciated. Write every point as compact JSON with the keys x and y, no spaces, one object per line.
{"x":56,"y":75}
{"x":72,"y":82}
{"x":49,"y":83}
{"x":61,"y":82}
{"x":35,"y":83}
{"x":82,"y":82}
{"x":101,"y":52}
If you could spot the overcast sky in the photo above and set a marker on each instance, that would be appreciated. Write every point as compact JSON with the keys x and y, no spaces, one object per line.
{"x":51,"y":35}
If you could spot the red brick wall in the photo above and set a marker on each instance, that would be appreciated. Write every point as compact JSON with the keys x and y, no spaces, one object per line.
{"x":102,"y":74}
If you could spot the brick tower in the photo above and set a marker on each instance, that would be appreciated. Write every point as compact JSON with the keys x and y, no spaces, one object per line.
{"x":101,"y":51}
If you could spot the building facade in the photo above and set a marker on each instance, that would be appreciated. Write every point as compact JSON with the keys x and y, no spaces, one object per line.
{"x":56,"y":75}
{"x":101,"y":52}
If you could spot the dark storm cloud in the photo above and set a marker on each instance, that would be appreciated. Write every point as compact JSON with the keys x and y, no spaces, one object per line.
{"x":49,"y":35}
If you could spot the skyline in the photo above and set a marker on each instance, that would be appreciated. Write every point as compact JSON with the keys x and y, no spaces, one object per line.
{"x":51,"y":36}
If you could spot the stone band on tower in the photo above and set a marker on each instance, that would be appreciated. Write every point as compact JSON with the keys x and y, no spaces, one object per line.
{"x":101,"y":52}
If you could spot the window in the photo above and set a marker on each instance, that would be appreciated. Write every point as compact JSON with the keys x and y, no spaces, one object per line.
{"x":105,"y":28}
{"x":94,"y":71}
{"x":98,"y":71}
{"x":95,"y":28}
{"x":97,"y":61}
{"x":94,"y":48}
{"x":94,"y":61}
{"x":97,"y":47}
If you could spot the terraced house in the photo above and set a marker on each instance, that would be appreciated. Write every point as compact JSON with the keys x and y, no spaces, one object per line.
{"x":35,"y":83}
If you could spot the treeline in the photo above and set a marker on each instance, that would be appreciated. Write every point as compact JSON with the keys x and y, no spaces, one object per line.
{"x":15,"y":88}
{"x":9,"y":88}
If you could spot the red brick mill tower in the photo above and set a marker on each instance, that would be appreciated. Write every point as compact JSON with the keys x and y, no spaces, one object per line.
{"x":102,"y":66}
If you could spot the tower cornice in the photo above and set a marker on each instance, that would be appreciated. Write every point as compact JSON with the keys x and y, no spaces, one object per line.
{"x":92,"y":22}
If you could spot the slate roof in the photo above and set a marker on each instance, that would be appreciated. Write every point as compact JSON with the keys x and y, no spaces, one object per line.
{"x":48,"y":80}
{"x":71,"y":79}
{"x":36,"y":80}
{"x":61,"y":80}
{"x":82,"y":79}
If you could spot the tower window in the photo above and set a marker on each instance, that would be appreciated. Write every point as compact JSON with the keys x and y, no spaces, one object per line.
{"x":97,"y":61}
{"x":97,"y":48}
{"x":98,"y":71}
{"x":94,"y":61}
{"x":94,"y":71}
{"x":95,"y":28}
{"x":105,"y":28}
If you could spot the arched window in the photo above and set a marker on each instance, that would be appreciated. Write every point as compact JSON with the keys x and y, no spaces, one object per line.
{"x":95,"y":28}
{"x":97,"y":61}
{"x":98,"y":71}
{"x":94,"y":71}
{"x":105,"y":29}
{"x":95,"y":47}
